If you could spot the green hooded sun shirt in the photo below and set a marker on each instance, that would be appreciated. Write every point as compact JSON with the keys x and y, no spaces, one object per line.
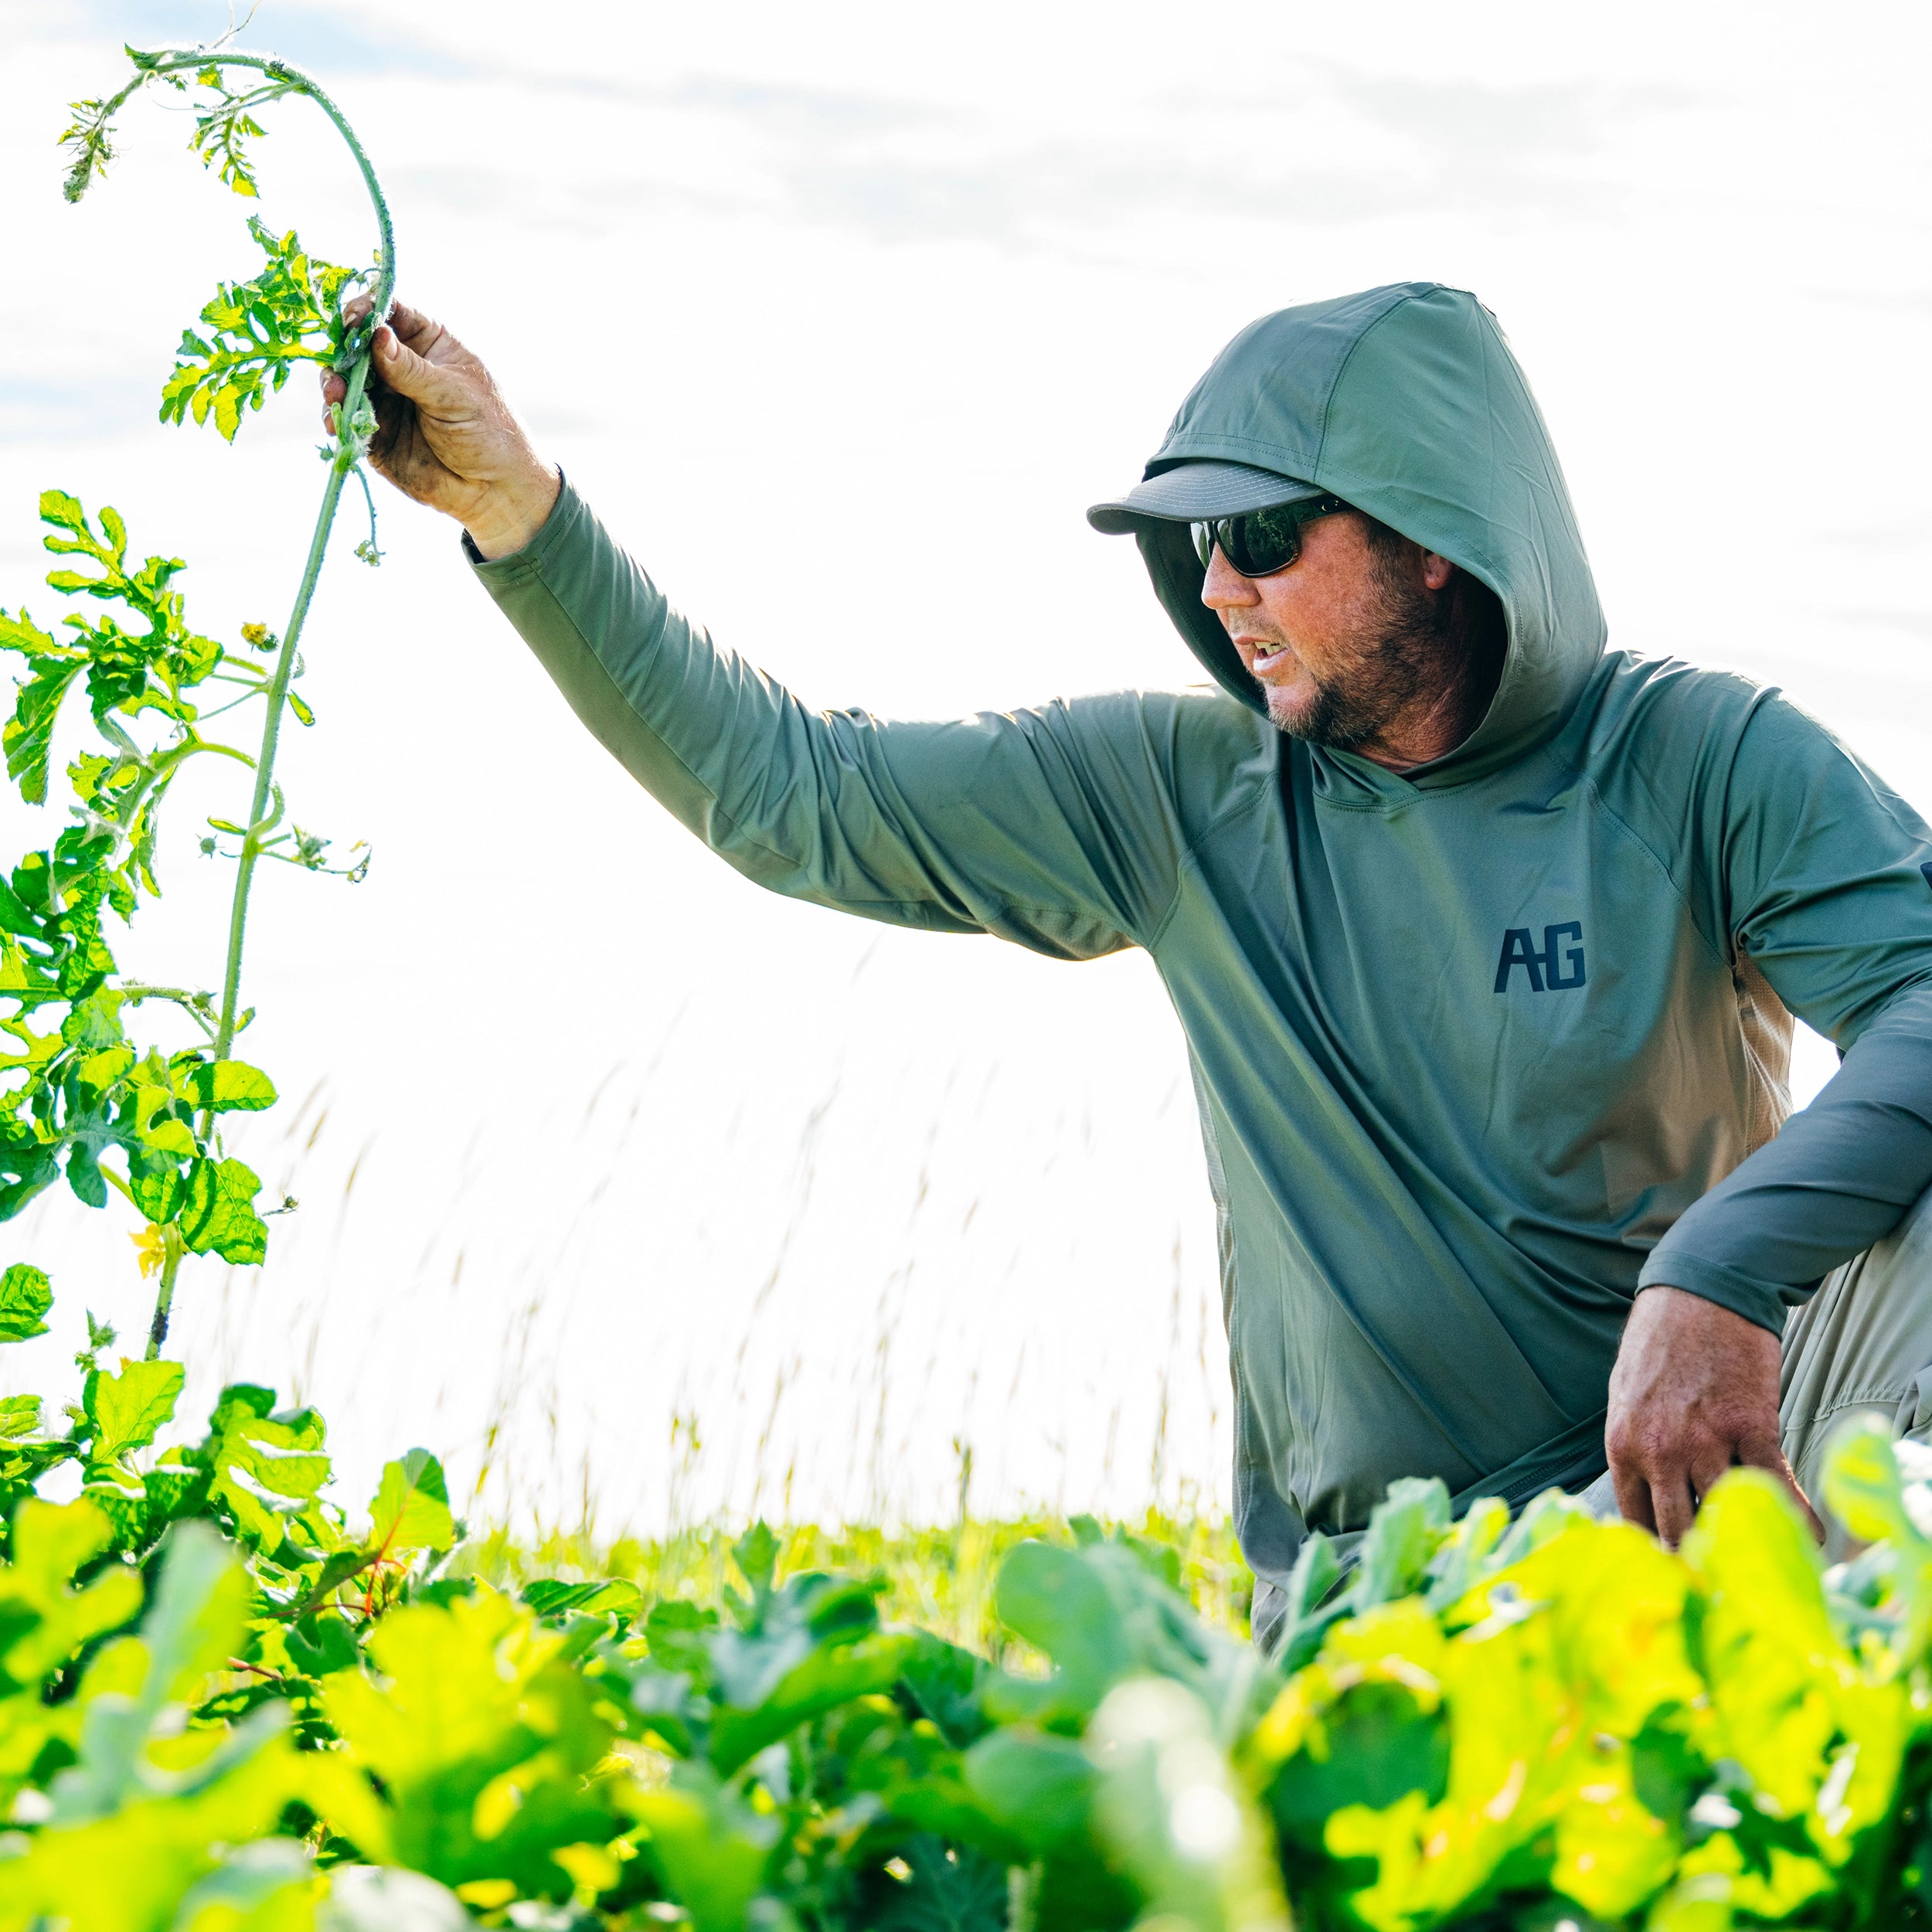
{"x":1480,"y":1049}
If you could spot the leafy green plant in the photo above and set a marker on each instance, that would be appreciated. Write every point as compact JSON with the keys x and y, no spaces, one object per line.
{"x":273,"y":1711}
{"x":85,"y":1098}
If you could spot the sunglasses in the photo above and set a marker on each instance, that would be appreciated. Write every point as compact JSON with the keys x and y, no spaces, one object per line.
{"x":1261,"y":542}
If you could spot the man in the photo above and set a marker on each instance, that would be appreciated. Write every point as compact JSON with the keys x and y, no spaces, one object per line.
{"x":1485,"y":938}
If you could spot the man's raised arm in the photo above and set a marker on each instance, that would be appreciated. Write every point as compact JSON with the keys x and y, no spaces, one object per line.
{"x":1055,"y":827}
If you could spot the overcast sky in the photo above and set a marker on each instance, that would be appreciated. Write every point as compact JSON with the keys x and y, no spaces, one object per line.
{"x":840,"y":315}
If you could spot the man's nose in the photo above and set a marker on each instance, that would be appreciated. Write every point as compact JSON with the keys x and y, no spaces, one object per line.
{"x":1225,"y":588}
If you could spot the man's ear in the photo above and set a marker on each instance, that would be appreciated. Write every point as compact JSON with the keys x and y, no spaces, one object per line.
{"x":1437,"y":571}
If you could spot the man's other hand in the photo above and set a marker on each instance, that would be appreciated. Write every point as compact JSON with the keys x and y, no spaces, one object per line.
{"x":445,"y":436}
{"x":1694,"y":1394}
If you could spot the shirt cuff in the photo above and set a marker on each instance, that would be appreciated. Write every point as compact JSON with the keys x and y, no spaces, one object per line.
{"x":518,"y":563}
{"x":1766,"y":1307}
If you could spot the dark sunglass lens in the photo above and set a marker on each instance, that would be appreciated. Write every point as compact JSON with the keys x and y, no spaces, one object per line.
{"x":1204,"y":543}
{"x":1268,"y":541}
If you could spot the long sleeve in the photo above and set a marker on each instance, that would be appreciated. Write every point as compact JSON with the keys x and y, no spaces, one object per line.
{"x":1052,"y":827}
{"x":1828,"y":883}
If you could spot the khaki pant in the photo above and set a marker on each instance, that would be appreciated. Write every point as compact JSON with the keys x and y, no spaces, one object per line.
{"x":1863,"y":1341}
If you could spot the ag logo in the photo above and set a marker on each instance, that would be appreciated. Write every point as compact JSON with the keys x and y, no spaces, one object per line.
{"x":1545,"y":971}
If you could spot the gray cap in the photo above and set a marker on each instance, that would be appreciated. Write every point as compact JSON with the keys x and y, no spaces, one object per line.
{"x":1195,"y":492}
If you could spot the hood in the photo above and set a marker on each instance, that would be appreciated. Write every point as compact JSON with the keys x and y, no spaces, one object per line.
{"x":1405,"y":402}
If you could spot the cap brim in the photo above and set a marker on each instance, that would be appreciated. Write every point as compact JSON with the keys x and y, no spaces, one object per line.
{"x":1194,"y":492}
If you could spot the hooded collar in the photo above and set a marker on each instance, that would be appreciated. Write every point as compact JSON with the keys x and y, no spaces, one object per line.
{"x":1405,"y":402}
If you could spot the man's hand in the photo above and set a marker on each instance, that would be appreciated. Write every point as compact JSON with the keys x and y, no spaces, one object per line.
{"x":1693,"y":1393}
{"x":444,"y":436}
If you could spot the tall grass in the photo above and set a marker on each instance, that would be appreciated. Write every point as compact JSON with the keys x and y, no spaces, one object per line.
{"x":724,"y":1449}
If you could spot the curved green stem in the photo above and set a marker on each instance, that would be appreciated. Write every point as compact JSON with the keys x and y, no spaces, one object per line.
{"x":347,"y":456}
{"x":170,"y":61}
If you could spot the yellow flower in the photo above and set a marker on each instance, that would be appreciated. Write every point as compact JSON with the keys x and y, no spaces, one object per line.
{"x":150,"y":1248}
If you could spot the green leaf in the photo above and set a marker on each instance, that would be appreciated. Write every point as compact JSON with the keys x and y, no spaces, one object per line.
{"x":100,"y":1070}
{"x":948,"y":1888}
{"x":23,"y":634}
{"x":173,"y":1137}
{"x":945,"y":1682}
{"x":466,"y":1702}
{"x":551,"y":1596}
{"x":1404,"y":1530}
{"x":410,"y":1510}
{"x":757,"y":1555}
{"x":1038,"y":1786}
{"x":1059,"y":1602}
{"x":25,"y":1299}
{"x":158,"y":1189}
{"x":222,"y":1086}
{"x":1381,"y":1745}
{"x":322,"y":1645}
{"x":709,"y":1845}
{"x":193,"y":1625}
{"x":261,"y":1887}
{"x":128,"y":1410}
{"x":777,"y":1630}
{"x":679,"y":1633}
{"x":218,"y":1214}
{"x":28,"y":737}
{"x":116,"y":529}
{"x":1862,"y":1486}
{"x":51,"y":1542}
{"x":57,"y":507}
{"x":267,"y":1470}
{"x":828,"y":1677}
{"x":257,"y":330}
{"x":1308,"y":1612}
{"x":175,"y":1488}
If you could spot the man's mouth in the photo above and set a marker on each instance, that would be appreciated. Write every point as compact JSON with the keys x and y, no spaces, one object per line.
{"x":1269,"y":657}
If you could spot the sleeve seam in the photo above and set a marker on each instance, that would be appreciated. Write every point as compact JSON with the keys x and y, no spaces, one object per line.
{"x":1188,"y":851}
{"x":1720,"y":956}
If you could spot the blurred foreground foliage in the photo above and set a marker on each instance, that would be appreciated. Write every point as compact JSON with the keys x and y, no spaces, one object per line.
{"x":229,"y":1704}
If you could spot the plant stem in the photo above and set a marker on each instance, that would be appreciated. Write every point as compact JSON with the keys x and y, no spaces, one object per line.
{"x":193,"y":1004}
{"x":346,"y":457}
{"x":164,"y":1297}
{"x":271,"y":734}
{"x":170,"y":60}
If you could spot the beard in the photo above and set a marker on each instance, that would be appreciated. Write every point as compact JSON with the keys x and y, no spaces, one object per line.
{"x":1380,"y":673}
